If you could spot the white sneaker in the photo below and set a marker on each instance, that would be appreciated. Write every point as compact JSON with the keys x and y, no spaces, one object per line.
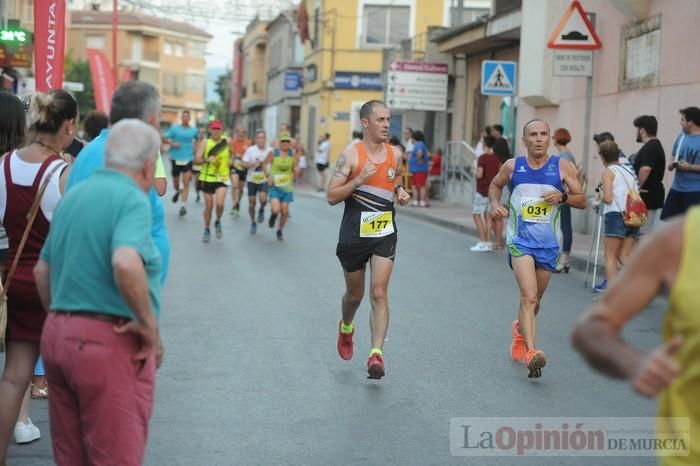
{"x":421,"y":204}
{"x":414,"y":203}
{"x":26,"y":433}
{"x":481,"y":247}
{"x":489,"y":246}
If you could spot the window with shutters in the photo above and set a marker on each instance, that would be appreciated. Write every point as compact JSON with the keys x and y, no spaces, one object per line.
{"x":95,"y":42}
{"x":196,"y":49}
{"x":195,"y":82}
{"x":168,"y":84}
{"x":385,"y":25}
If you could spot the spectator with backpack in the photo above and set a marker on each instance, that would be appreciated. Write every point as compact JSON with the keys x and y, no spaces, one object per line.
{"x":622,"y":211}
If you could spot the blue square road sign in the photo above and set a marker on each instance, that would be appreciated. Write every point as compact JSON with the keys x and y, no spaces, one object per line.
{"x":498,"y":77}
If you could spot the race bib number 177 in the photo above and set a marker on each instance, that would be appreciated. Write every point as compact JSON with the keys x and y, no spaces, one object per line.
{"x":376,"y":224}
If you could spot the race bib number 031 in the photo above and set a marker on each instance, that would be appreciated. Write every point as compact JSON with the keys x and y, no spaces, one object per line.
{"x":535,"y":210}
{"x":376,"y":224}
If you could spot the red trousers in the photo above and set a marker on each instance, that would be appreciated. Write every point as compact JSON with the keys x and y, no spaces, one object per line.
{"x":101,"y":399}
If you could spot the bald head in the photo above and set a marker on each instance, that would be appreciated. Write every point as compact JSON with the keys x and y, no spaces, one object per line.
{"x":535,"y":120}
{"x":536,"y":138}
{"x":368,"y":108}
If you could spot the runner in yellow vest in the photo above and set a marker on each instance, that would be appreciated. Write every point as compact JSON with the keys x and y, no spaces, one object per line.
{"x":669,"y":259}
{"x":214,"y":156}
{"x":281,"y":168}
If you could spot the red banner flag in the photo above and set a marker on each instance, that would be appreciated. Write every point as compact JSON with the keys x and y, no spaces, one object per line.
{"x":49,"y":43}
{"x":303,"y":22}
{"x":102,"y":79}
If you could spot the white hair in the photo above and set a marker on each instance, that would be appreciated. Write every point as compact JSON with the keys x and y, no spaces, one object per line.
{"x":130,"y":144}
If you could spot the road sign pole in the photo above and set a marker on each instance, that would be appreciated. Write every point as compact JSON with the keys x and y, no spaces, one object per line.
{"x":587,"y":122}
{"x":514,"y":116}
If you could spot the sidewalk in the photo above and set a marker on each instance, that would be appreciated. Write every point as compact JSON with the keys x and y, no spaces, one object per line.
{"x":459,"y":218}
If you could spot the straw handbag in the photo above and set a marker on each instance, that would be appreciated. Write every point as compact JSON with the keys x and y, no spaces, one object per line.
{"x":30,"y":221}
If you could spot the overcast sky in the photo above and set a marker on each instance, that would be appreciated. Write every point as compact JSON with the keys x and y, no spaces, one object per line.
{"x":226,"y":20}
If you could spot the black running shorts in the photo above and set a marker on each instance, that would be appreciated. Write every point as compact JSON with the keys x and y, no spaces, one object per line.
{"x":179,"y":169}
{"x":254,"y":189}
{"x":354,"y":257}
{"x":242,"y":174}
{"x":210,"y":187}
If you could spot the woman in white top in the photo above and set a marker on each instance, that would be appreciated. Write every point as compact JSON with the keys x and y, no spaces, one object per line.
{"x":53,"y":118}
{"x":617,"y":181}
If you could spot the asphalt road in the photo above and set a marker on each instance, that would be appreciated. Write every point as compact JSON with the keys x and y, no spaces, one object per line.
{"x":251,"y":374}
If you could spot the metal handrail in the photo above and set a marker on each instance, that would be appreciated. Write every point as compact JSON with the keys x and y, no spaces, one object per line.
{"x":458,"y":167}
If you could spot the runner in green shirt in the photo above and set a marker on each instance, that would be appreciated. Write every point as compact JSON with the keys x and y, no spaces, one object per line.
{"x":281,"y":168}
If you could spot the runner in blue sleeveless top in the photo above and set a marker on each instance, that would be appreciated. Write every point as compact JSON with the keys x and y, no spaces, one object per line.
{"x":537,"y":182}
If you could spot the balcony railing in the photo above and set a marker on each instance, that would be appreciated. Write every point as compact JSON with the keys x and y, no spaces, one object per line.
{"x":458,"y":170}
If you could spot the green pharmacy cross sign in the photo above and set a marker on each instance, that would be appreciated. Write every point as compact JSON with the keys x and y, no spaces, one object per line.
{"x":15,"y":36}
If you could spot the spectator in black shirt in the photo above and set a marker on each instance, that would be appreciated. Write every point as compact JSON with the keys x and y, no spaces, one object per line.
{"x":650,"y":164}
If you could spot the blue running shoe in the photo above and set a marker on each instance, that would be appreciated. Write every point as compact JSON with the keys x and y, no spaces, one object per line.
{"x":253,"y":228}
{"x":602,"y":286}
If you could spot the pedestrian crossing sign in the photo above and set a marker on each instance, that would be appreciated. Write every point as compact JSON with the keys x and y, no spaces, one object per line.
{"x":498,"y":77}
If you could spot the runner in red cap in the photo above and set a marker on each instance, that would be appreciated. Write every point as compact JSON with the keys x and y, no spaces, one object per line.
{"x":214,"y":157}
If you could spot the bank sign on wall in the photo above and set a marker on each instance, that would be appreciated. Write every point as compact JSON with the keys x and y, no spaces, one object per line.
{"x":417,"y":85}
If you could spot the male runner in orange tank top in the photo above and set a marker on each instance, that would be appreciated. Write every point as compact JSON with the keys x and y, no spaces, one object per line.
{"x":367,"y":177}
{"x":238,"y":175}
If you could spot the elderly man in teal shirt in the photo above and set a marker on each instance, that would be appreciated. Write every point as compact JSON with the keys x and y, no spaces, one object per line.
{"x":140,"y":100}
{"x":98,"y":276}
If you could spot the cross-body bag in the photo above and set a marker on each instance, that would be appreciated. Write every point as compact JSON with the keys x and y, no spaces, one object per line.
{"x":221,"y":145}
{"x":213,"y":152}
{"x":31,"y":216}
{"x":635,"y":213}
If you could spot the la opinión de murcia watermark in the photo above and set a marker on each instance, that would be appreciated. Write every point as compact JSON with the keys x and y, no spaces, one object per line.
{"x":555,"y":436}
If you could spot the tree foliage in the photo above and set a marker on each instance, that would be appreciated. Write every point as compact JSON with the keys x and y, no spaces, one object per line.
{"x":216,"y":109}
{"x":223,"y":89}
{"x":79,"y":71}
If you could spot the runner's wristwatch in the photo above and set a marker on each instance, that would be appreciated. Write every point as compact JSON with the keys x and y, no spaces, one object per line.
{"x":564,"y":198}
